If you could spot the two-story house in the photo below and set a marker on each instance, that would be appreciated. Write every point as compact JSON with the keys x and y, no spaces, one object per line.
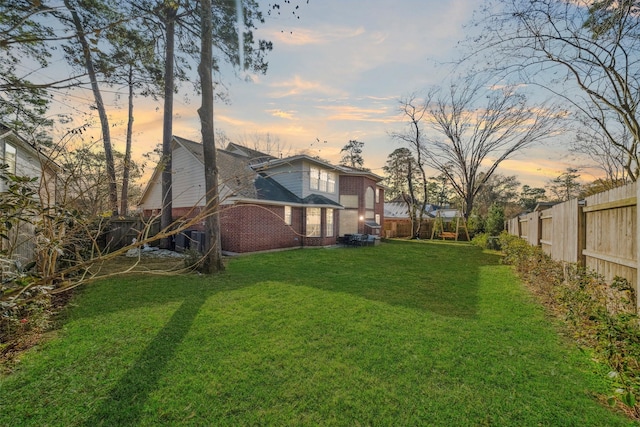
{"x":272,"y":203}
{"x":21,"y":158}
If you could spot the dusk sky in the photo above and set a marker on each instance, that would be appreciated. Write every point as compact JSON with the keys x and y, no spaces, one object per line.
{"x":336,"y":74}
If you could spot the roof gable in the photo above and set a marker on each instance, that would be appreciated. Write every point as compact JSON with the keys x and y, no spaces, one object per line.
{"x":254,"y":156}
{"x":8,"y":134}
{"x":339,"y":169}
{"x":239,"y":179}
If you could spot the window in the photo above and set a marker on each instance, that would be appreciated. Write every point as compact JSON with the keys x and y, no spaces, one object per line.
{"x":331,"y":182}
{"x":377,"y":195}
{"x":10,"y":157}
{"x":378,"y":219}
{"x":314,"y":178}
{"x":329,"y":223}
{"x":313,"y":222}
{"x":322,"y":180}
{"x":368,"y":198}
{"x":287,"y":215}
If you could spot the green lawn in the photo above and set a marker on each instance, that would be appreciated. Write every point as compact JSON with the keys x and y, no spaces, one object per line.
{"x":405,"y":333}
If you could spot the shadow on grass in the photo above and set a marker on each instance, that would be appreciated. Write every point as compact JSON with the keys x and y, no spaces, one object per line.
{"x":426,"y":276}
{"x":438,"y":277}
{"x":434,"y":276}
{"x":125,"y":402}
{"x":442,"y":278}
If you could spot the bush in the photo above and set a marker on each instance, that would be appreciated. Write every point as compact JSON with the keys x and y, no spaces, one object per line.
{"x":486,"y":241}
{"x":602,"y":317}
{"x":476,"y":224}
{"x":494,"y":224}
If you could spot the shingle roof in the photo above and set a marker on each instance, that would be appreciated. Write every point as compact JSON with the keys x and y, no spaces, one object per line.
{"x":235,"y":172}
{"x":254,"y":156}
{"x":317,"y":199}
{"x":269,"y":189}
{"x":342,"y":170}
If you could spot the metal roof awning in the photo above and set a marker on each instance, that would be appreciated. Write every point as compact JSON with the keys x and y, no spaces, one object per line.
{"x":372,"y":224}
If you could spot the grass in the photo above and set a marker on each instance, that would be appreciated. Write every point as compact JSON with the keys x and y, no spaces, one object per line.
{"x":406,"y":333}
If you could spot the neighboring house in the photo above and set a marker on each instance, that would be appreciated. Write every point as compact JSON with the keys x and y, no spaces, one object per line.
{"x":23,"y":159}
{"x":272,"y":203}
{"x":397,"y":222}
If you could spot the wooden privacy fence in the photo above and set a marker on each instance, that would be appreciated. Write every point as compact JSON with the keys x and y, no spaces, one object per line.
{"x":121,"y":232}
{"x":599,"y":232}
{"x":402,"y":228}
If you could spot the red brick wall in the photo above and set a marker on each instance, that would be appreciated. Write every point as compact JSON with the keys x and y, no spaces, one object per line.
{"x":357,"y":185}
{"x":324,"y":240}
{"x":250,"y":228}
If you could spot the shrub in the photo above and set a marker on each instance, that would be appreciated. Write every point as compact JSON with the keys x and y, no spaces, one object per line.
{"x":476,"y":223}
{"x":486,"y":241}
{"x":495,"y":220}
{"x":601,"y":316}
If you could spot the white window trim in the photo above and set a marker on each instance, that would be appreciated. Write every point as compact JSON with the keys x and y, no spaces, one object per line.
{"x":287,"y":215}
{"x":12,"y":166}
{"x":329,"y":222}
{"x":322,"y":180}
{"x":313,"y":229}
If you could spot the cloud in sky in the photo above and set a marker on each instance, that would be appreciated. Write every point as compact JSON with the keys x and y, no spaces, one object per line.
{"x":301,"y":36}
{"x":288,"y":115}
{"x":336,"y":74}
{"x":296,"y":85}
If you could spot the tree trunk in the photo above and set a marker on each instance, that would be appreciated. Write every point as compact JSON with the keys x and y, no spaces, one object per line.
{"x":415,"y":224}
{"x":166,"y":218}
{"x":212,"y":261}
{"x":102,"y":113}
{"x":124,"y":197}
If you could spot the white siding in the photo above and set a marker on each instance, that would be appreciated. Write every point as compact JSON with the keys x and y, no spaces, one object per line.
{"x":151,"y":199}
{"x":188,"y":188}
{"x":27,"y":161}
{"x":188,"y":179}
{"x":294,"y":177}
{"x":306,"y":191}
{"x":27,"y":164}
{"x":21,"y":242}
{"x":291,"y":176}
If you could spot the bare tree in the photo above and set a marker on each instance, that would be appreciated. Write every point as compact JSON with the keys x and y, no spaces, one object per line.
{"x":585,"y":52}
{"x":475,"y":127}
{"x":264,"y":142}
{"x":414,"y":114}
{"x":607,"y":156}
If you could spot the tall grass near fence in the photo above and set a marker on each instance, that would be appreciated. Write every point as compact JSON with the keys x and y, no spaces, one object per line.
{"x":600,"y":316}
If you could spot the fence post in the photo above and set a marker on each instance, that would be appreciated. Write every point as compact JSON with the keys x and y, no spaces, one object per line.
{"x":582,"y":234}
{"x":637,"y":247}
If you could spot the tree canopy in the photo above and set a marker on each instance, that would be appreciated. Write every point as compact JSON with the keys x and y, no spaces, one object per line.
{"x":584,"y":52}
{"x":465,"y":131}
